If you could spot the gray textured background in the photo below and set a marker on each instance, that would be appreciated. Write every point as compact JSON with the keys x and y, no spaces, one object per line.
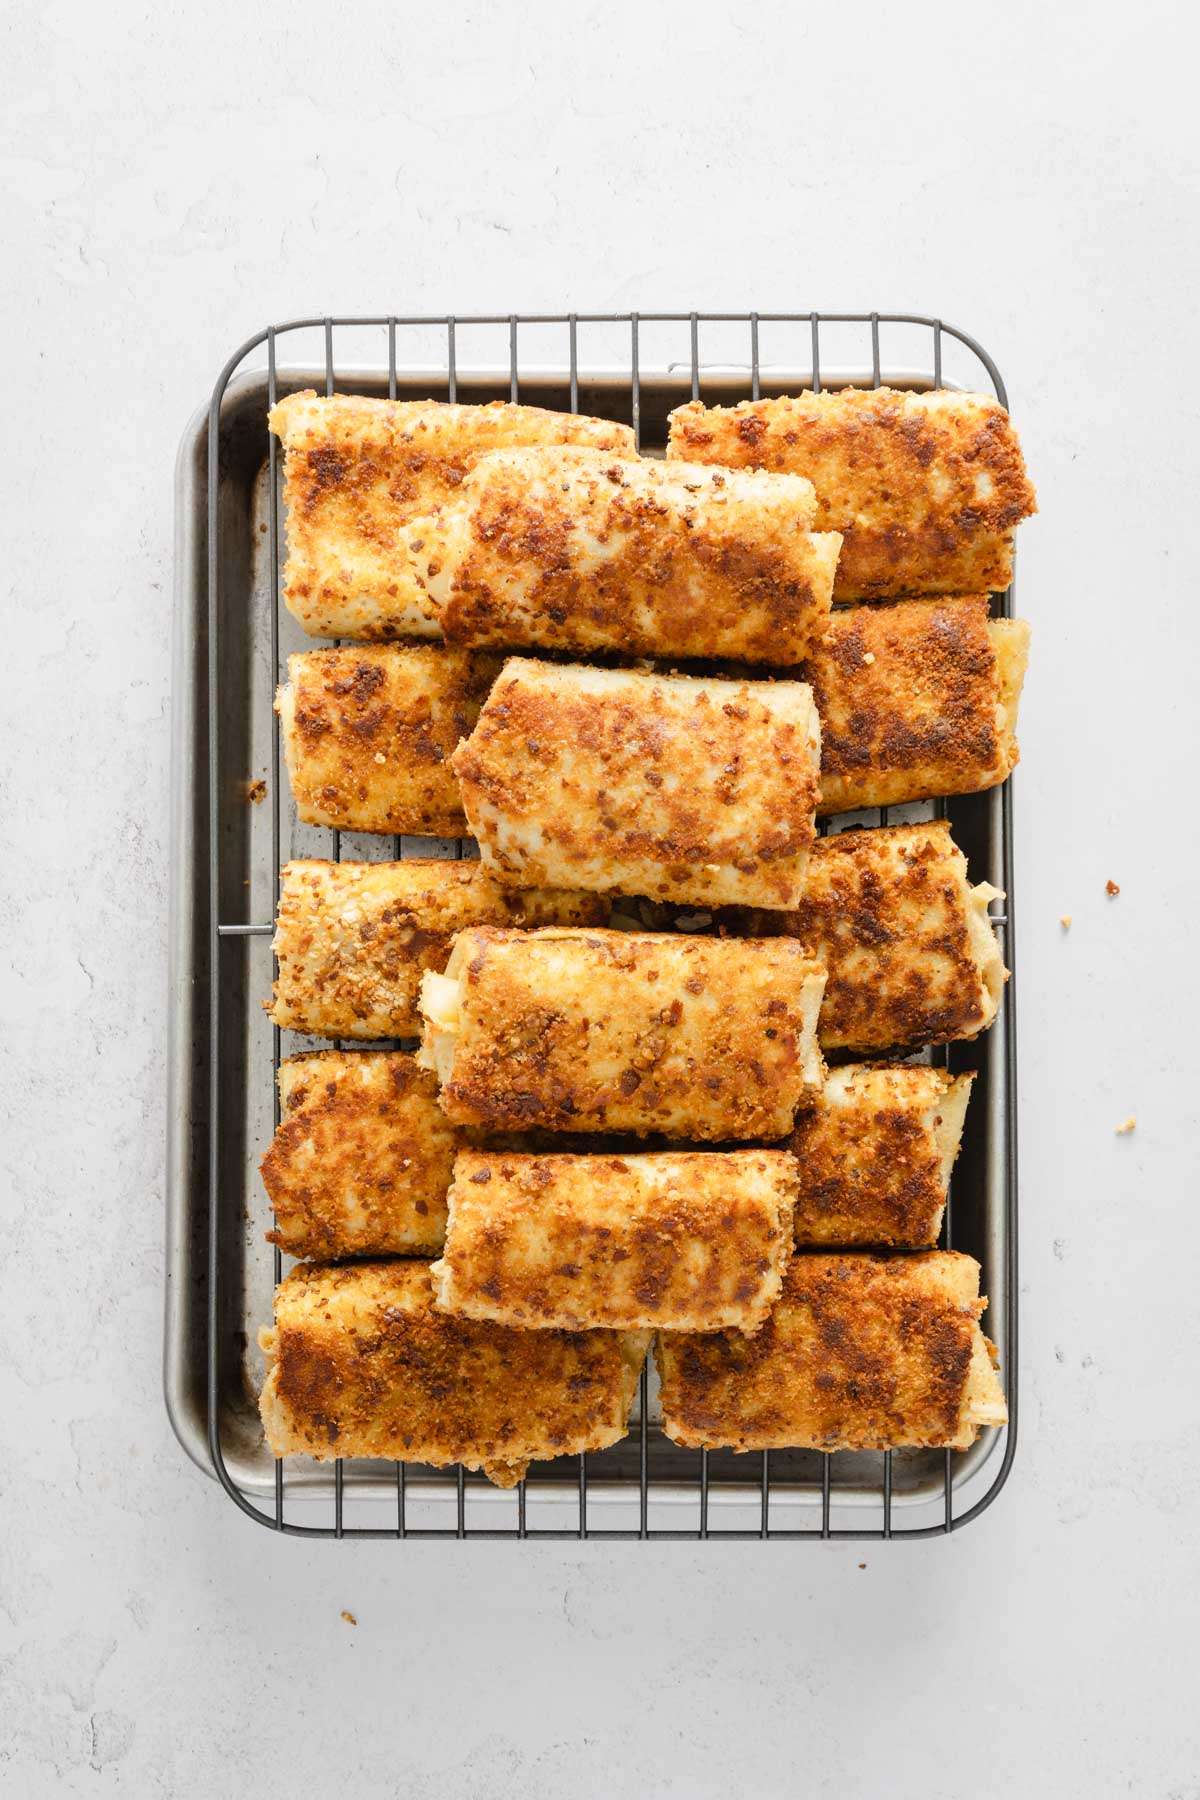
{"x":174,"y":178}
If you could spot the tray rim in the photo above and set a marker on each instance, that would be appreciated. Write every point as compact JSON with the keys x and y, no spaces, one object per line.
{"x":191,"y":548}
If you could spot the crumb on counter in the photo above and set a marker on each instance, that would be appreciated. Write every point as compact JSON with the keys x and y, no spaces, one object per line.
{"x":1111,"y":889}
{"x":1126,"y":1126}
{"x":255,"y":791}
{"x":1065,"y":921}
{"x":349,"y":1617}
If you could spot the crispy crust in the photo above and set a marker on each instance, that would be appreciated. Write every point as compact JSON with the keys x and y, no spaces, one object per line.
{"x":702,"y":1037}
{"x":693,"y":1242}
{"x":368,"y":732}
{"x":361,"y":1160}
{"x":361,"y":1364}
{"x":874,"y":1151}
{"x":915,"y":701}
{"x":860,"y":1353}
{"x":575,"y":550}
{"x":925,"y":488}
{"x":356,"y":473}
{"x":911,"y":957}
{"x":672,"y":787}
{"x":353,"y":939}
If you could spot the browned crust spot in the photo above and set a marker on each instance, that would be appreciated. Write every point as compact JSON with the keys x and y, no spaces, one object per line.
{"x":909,"y":699}
{"x":698,"y":1037}
{"x":886,"y":911}
{"x":861,"y":1352}
{"x":360,"y":1163}
{"x":371,"y":732}
{"x":363,"y":1365}
{"x":925,"y":495}
{"x":603,"y":1240}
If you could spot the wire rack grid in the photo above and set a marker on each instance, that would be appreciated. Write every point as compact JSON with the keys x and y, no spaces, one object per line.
{"x":743,"y":1502}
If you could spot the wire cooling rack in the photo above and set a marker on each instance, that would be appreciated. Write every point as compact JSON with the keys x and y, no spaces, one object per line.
{"x":227,"y":873}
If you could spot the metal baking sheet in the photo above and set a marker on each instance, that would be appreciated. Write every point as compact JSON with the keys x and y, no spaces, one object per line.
{"x":220,"y":1270}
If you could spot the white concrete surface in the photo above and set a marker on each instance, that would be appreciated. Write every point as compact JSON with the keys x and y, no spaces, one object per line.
{"x":172,"y":178}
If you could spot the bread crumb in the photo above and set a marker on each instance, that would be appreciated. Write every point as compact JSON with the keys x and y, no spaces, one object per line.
{"x":862,"y":1565}
{"x":1126,"y":1126}
{"x":256,"y":791}
{"x":1111,"y":889}
{"x":349,"y":1617}
{"x":380,"y":757}
{"x":1065,"y":921}
{"x":868,"y":657}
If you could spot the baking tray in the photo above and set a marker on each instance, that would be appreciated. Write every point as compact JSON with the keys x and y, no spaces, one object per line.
{"x":232,"y":637}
